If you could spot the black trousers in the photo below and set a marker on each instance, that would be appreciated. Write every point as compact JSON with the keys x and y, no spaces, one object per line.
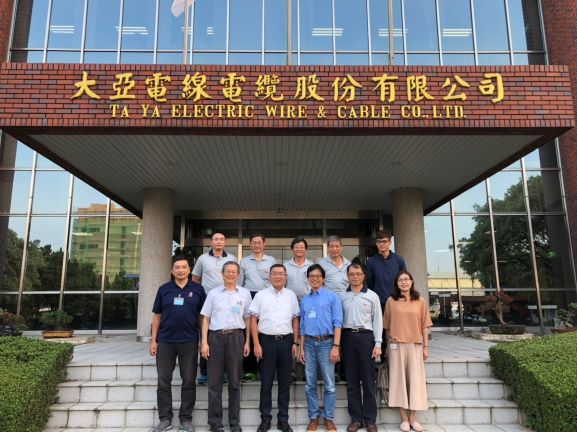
{"x":357,"y":349}
{"x":226,"y":354}
{"x":276,"y":357}
{"x":249,"y":363}
{"x":166,"y":356}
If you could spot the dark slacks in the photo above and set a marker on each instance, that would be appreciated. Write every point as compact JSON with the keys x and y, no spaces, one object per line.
{"x":166,"y":356}
{"x":249,"y":363}
{"x":357,"y":349}
{"x":226,"y":354}
{"x":276,"y":357}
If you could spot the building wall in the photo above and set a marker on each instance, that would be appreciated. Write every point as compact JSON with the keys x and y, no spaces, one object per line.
{"x":6,"y":7}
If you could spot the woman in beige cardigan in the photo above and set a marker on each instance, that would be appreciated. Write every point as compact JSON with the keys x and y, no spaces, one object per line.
{"x":407,"y":320}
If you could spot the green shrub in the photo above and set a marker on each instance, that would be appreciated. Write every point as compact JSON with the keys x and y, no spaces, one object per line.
{"x":29,"y":373}
{"x":542,"y":373}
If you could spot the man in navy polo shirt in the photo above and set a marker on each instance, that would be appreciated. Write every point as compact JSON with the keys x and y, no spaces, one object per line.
{"x":175,"y":334}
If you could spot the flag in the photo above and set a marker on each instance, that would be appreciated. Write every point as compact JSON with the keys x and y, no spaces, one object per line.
{"x":178,"y":6}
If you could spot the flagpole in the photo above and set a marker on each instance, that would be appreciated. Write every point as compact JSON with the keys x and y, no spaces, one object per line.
{"x":289,"y":34}
{"x":186,"y":20}
{"x":391,"y":35}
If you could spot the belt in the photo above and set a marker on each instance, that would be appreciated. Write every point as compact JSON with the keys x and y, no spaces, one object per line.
{"x":227,"y":331}
{"x":276,"y":337}
{"x":320,"y":338}
{"x":358,"y":330}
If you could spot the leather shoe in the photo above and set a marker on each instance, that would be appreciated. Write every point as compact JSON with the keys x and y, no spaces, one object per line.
{"x":235,"y":428}
{"x":372,"y":428}
{"x":313,"y":425}
{"x":330,"y":426}
{"x":354,"y":426}
{"x":264,"y":426}
{"x":284,"y":427}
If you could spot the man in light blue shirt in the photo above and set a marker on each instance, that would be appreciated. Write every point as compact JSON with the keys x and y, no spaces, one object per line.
{"x":296,"y":268}
{"x":254,"y":269}
{"x":335,"y":266}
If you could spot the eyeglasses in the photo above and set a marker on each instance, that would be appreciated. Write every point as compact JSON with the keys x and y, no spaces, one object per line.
{"x":356,"y":274}
{"x":404,"y":279}
{"x":383,"y":241}
{"x":315,"y":276}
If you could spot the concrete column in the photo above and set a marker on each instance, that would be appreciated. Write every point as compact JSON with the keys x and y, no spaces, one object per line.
{"x":409,"y":233}
{"x":156,"y":253}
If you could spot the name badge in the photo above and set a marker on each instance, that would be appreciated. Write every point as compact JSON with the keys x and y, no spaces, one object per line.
{"x":312,"y":314}
{"x":235,"y":309}
{"x":178,"y":301}
{"x":392,"y":346}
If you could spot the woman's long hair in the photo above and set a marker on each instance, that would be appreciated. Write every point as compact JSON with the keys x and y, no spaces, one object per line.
{"x":397,"y":292}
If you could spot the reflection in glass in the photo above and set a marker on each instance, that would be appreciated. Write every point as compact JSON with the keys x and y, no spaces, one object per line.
{"x":443,"y":209}
{"x":380,"y":26}
{"x":351,"y":17}
{"x":440,"y":260}
{"x":456,"y":25}
{"x":316,"y":22}
{"x":51,"y":192}
{"x":316,"y":59}
{"x":30,"y":26}
{"x":66,"y":24}
{"x":102,"y":24}
{"x":544,"y":157}
{"x":27,"y":57}
{"x":9,"y":302}
{"x":421,"y":25}
{"x":544,"y":191}
{"x":525,"y":59}
{"x":34,"y":304}
{"x":120,"y":312}
{"x":123,"y":256}
{"x":494,"y":59}
{"x":507,"y":192}
{"x":491,"y":25}
{"x":84,"y":308}
{"x":525,"y":25}
{"x":208,"y":58}
{"x":458,"y":60}
{"x":86,"y":199}
{"x":245,"y":58}
{"x":43,"y":162}
{"x":137,"y":58}
{"x":352,"y":59}
{"x":423,"y":59}
{"x":170,"y":28}
{"x":45,"y":254}
{"x":96,"y":57}
{"x":86,"y":253}
{"x":245,"y":25}
{"x":210,"y":25}
{"x":444,"y":307}
{"x":169,"y":58}
{"x":552,"y":253}
{"x":275,"y":25}
{"x":513,"y":252}
{"x":138,"y":24}
{"x":383,"y":59}
{"x":473,"y":200}
{"x":12,"y":232}
{"x":14,"y":190}
{"x":63,"y":57}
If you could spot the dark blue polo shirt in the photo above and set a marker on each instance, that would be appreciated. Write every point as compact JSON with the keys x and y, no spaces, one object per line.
{"x":381,"y":274}
{"x":179,"y":324}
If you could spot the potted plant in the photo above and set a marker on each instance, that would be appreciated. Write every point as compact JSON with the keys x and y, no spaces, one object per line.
{"x":56,"y":324}
{"x":567,"y":319}
{"x":10,"y":324}
{"x":500,"y":304}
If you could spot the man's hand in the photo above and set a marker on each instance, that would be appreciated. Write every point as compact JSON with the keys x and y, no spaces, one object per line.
{"x":295,"y":351}
{"x":258,"y":352}
{"x":376,"y":353}
{"x":335,"y":354}
{"x":153,"y":348}
{"x":302,"y":355}
{"x":246,"y":349}
{"x":205,"y":350}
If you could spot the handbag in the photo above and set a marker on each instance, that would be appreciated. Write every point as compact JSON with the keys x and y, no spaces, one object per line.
{"x":383,"y":383}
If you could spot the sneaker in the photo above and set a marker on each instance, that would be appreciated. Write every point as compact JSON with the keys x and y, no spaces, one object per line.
{"x":202,"y":380}
{"x":264,"y":426}
{"x":284,"y":427}
{"x":248,"y":377}
{"x":187,"y":426}
{"x":162,"y":426}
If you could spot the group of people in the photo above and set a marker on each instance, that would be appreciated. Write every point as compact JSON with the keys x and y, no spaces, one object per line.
{"x":279,"y":314}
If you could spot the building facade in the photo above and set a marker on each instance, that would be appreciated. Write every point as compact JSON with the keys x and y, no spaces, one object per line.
{"x":69,"y":242}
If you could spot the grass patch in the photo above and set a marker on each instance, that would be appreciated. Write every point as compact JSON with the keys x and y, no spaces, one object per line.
{"x":29,"y":372}
{"x":542,"y":373}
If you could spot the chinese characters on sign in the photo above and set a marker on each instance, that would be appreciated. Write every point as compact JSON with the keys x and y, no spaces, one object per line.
{"x":271,"y":90}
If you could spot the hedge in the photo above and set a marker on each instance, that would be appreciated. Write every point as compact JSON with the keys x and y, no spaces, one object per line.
{"x":542,"y":374}
{"x":29,"y":372}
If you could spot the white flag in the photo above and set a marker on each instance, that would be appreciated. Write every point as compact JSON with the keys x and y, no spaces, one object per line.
{"x":178,"y":6}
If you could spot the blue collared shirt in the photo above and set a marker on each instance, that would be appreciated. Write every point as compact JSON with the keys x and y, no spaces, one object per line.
{"x":321,"y":313}
{"x":254,"y":274}
{"x":381,"y":274}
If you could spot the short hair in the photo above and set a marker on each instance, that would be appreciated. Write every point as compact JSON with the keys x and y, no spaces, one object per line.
{"x":257,"y":235}
{"x":180,"y":257}
{"x":299,"y":240}
{"x":215,"y":233}
{"x":316,"y":267}
{"x":357,"y":265}
{"x":384,"y":233}
{"x":334,"y":238}
{"x":230,"y":263}
{"x":277,"y":265}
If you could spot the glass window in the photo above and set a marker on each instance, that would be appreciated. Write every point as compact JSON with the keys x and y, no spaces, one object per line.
{"x":14,"y":154}
{"x":86,"y":199}
{"x":456,"y":25}
{"x":63,"y":57}
{"x":30,"y":28}
{"x":277,"y":59}
{"x":275,"y":25}
{"x":102,"y":24}
{"x":45,"y":253}
{"x":491,"y":25}
{"x":86,"y":253}
{"x":138,"y":24}
{"x":507,"y":192}
{"x":421,"y":25}
{"x":99,"y":57}
{"x":423,"y":59}
{"x":352,"y":59}
{"x":118,"y":209}
{"x":169,"y":58}
{"x":245,"y":58}
{"x":525,"y":59}
{"x":544,"y":191}
{"x":136,"y":58}
{"x":120,"y":312}
{"x":123,"y":256}
{"x":494,"y":59}
{"x":12,"y":232}
{"x":316,"y":59}
{"x":245,"y":25}
{"x":9,"y":302}
{"x":525,"y":25}
{"x":27,"y":57}
{"x":513,"y":252}
{"x":444,"y":307}
{"x":473,"y":200}
{"x":351,"y":26}
{"x":34,"y":304}
{"x":443,"y":209}
{"x":43,"y":162}
{"x":543,"y":157}
{"x":380,"y":25}
{"x":209,"y":58}
{"x":383,"y":59}
{"x":476,"y":270}
{"x":170,"y":28}
{"x":210,"y":25}
{"x":51,"y":192}
{"x":66,"y":24}
{"x":84,"y":308}
{"x":316,"y":22}
{"x":458,"y":60}
{"x":14,"y":190}
{"x":440,"y":260}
